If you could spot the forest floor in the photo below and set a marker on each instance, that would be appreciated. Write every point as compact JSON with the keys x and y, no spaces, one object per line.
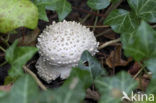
{"x":111,"y":57}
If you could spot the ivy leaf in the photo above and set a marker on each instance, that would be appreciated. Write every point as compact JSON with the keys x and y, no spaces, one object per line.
{"x":98,"y":4}
{"x":82,"y":75}
{"x":151,"y":65}
{"x":140,"y":44}
{"x":25,"y":90}
{"x":52,"y":6}
{"x":63,"y":9}
{"x":93,"y":67}
{"x":2,"y":94}
{"x":152,"y":87}
{"x":111,"y":88}
{"x":144,"y":9}
{"x":42,"y":4}
{"x":121,"y":21}
{"x":72,"y":91}
{"x":64,"y":94}
{"x":17,"y":13}
{"x":17,"y":57}
{"x":42,"y":13}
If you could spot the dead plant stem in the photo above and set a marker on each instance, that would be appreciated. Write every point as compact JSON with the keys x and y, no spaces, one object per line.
{"x":35,"y":77}
{"x":96,"y":20}
{"x":108,"y":43}
{"x":1,"y":48}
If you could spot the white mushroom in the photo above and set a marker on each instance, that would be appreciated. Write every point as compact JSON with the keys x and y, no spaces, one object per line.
{"x":60,"y":47}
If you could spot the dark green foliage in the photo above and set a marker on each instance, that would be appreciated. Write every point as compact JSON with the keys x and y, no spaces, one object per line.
{"x":62,"y":7}
{"x":111,"y":88}
{"x":94,"y":67}
{"x":17,"y":57}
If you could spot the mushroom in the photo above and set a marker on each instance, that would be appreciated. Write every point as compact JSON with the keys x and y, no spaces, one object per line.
{"x":60,"y":47}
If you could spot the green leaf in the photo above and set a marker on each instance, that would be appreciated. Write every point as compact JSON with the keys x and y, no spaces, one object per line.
{"x":152,"y":87}
{"x":151,"y":65}
{"x":9,"y":80}
{"x":83,"y":75}
{"x":122,"y":21}
{"x":17,"y":13}
{"x":72,"y":91}
{"x":52,"y":7}
{"x":140,"y":44}
{"x":94,"y":67}
{"x":2,"y":94}
{"x":64,"y":94}
{"x":144,"y":9}
{"x":17,"y":57}
{"x":63,"y":9}
{"x":25,"y":90}
{"x":111,"y":88}
{"x":42,"y":13}
{"x":41,"y":4}
{"x":98,"y":4}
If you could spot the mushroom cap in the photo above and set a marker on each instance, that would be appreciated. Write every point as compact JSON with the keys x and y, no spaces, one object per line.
{"x":63,"y":42}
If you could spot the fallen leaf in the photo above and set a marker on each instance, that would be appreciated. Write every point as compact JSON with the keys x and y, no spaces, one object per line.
{"x":144,"y":81}
{"x":114,"y":59}
{"x":134,"y":68}
{"x":92,"y":94}
{"x":29,"y":39}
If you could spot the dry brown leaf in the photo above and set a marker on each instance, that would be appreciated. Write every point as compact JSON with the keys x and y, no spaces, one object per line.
{"x":144,"y":81}
{"x":29,"y":39}
{"x":134,"y":68}
{"x":92,"y":94}
{"x":115,"y":59}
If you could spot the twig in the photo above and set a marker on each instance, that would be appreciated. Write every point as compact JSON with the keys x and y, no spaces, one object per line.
{"x":98,"y":26}
{"x":92,"y":13}
{"x":112,"y":7}
{"x":95,"y":22}
{"x":8,"y":37}
{"x":136,"y":75}
{"x":142,"y":68}
{"x":105,"y":31}
{"x":5,"y":41}
{"x":3,"y":63}
{"x":35,"y":77}
{"x":153,"y":26}
{"x":1,"y":48}
{"x":109,"y":43}
{"x":85,"y":18}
